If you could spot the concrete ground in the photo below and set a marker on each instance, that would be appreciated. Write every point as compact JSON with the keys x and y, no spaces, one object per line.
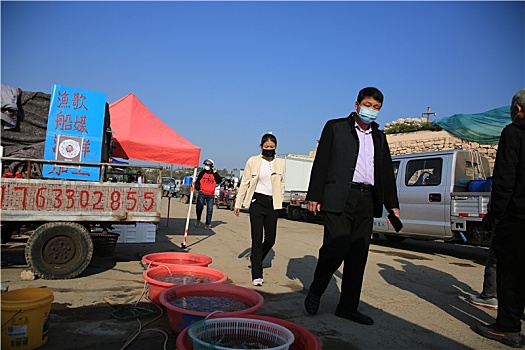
{"x":415,"y":291}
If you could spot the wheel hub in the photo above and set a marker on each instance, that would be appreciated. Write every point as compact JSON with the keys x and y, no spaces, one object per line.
{"x":59,"y":250}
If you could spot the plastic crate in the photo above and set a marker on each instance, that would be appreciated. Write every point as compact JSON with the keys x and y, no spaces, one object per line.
{"x":139,"y":233}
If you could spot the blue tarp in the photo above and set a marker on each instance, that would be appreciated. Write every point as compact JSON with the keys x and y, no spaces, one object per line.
{"x":484,"y":128}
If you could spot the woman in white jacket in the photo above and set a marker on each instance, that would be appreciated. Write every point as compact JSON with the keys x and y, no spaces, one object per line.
{"x":262,"y":190}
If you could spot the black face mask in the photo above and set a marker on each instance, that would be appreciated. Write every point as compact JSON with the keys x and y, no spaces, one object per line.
{"x":268,"y":153}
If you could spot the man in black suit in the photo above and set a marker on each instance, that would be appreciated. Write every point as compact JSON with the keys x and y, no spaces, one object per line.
{"x":507,"y":204}
{"x":352,"y":178}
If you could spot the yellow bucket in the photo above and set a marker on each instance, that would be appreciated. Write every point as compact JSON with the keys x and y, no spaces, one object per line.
{"x":25,"y":317}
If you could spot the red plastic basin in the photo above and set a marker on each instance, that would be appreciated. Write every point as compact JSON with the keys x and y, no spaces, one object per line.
{"x":175,"y":258}
{"x":304,"y":339}
{"x":179,"y":318}
{"x":156,"y":287}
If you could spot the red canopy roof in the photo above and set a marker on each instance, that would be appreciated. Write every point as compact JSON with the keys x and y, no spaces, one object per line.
{"x":139,"y":134}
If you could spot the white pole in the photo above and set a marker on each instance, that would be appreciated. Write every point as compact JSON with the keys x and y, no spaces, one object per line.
{"x":183,"y":244}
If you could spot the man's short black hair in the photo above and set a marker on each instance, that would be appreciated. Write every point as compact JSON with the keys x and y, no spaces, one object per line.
{"x":370,"y":92}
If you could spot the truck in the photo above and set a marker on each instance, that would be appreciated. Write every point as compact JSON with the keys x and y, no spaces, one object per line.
{"x":443,"y":195}
{"x":62,"y":214}
{"x":296,"y":179}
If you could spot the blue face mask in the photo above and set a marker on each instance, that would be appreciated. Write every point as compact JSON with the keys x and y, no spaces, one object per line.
{"x":367,"y":115}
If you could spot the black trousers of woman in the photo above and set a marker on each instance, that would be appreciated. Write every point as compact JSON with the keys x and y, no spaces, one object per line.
{"x":263,"y":222}
{"x":346,"y":239}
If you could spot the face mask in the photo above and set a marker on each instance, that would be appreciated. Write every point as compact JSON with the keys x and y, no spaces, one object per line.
{"x":268,"y":152}
{"x":367,"y":115}
{"x":207,"y":167}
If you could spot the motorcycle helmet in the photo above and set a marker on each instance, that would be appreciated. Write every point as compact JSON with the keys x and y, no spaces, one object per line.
{"x":208,"y":162}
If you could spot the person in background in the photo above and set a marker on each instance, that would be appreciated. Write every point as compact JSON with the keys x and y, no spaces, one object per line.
{"x":226,"y":190}
{"x":262,"y":190}
{"x":205,"y":184}
{"x":507,"y":204}
{"x":488,"y":297}
{"x":351,"y":179}
{"x":173,"y":188}
{"x":140,"y":178}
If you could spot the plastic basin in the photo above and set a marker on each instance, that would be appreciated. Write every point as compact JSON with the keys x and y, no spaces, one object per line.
{"x":157,"y":287}
{"x":175,"y":258}
{"x":304,"y":339}
{"x":179,"y":318}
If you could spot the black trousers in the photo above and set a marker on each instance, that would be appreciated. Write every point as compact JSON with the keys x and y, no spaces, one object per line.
{"x":346,"y":239}
{"x":263,"y":222}
{"x":509,"y":246}
{"x":489,"y":276}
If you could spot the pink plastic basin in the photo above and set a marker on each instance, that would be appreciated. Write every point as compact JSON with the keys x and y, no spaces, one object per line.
{"x":179,"y":318}
{"x":304,"y":339}
{"x":157,"y":287}
{"x":175,"y":258}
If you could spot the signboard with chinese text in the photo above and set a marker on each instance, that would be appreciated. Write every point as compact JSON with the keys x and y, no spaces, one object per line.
{"x":75,"y":130}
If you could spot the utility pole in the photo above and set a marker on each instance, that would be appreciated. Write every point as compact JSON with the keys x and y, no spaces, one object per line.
{"x":428,"y":113}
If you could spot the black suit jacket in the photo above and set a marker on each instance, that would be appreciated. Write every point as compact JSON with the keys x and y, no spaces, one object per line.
{"x":334,"y":166}
{"x":508,"y":187}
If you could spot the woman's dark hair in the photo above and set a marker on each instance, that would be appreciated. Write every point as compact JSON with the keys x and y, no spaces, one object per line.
{"x":370,"y":92}
{"x":268,"y":137}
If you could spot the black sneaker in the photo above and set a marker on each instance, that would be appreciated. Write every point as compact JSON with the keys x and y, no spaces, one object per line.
{"x":491,"y":331}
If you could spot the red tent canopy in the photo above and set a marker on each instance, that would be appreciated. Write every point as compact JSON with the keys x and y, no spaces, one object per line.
{"x":139,"y":134}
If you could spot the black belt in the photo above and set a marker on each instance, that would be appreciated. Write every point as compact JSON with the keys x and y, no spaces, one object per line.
{"x":265,"y":196}
{"x":361,"y":187}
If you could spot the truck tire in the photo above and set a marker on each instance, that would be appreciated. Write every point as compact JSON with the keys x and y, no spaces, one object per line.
{"x":294,"y":212}
{"x":395,"y":239}
{"x":59,"y":250}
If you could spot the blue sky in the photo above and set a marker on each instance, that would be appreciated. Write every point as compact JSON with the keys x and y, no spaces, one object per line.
{"x":224,"y":73}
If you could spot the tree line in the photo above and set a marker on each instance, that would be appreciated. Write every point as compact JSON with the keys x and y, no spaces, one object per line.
{"x":151,"y":175}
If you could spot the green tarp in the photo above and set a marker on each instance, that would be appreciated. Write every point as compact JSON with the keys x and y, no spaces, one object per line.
{"x":484,"y":128}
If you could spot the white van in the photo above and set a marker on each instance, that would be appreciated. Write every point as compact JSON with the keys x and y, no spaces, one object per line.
{"x":443,"y":195}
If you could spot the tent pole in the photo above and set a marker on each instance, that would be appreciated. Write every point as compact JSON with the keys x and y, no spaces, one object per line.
{"x":169,"y":203}
{"x":183,"y":244}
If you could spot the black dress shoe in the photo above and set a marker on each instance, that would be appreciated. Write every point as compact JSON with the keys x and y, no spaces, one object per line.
{"x":311,"y":303}
{"x":356,"y":316}
{"x":491,"y":331}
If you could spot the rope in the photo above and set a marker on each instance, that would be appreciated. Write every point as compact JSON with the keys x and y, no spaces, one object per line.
{"x":480,"y":164}
{"x":141,"y":326}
